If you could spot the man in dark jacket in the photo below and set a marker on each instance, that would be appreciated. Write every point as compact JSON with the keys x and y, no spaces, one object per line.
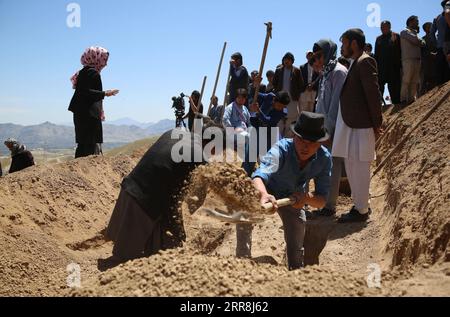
{"x":439,"y":32}
{"x":388,"y":55}
{"x":239,"y":76}
{"x":311,"y":80}
{"x":146,"y":218}
{"x":270,"y":75}
{"x":193,"y":109}
{"x":429,"y":53}
{"x":359,"y":123}
{"x":289,"y":78}
{"x":21,"y":158}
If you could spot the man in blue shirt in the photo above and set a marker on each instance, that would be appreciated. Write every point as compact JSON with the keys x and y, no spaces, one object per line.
{"x":236,"y":114}
{"x":285,"y":172}
{"x":268,"y":112}
{"x":266,"y":115}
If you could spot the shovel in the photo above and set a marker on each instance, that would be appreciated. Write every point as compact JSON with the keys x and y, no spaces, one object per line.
{"x":242,"y":217}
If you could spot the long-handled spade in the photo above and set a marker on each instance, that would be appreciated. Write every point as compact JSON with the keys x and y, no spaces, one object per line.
{"x":244,"y":217}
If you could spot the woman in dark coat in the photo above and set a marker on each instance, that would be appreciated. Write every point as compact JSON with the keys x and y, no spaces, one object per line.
{"x":87,"y":101}
{"x":21,"y":158}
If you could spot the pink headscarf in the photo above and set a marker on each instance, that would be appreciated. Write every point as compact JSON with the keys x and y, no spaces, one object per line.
{"x":94,"y":56}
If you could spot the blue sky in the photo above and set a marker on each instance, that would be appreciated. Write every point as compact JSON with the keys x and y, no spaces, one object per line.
{"x":161,"y":48}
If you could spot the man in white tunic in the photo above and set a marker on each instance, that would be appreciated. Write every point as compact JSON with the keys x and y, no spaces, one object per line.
{"x":359,"y":123}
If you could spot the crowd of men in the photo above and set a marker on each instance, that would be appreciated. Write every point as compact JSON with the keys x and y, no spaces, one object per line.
{"x":409,"y":64}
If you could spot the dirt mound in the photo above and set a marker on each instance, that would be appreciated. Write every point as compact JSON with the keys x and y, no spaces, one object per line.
{"x":184,"y":273}
{"x":48,"y":214}
{"x":417,"y":184}
{"x":222,"y":185}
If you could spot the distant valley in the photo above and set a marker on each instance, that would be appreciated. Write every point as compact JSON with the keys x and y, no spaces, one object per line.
{"x":54,"y":137}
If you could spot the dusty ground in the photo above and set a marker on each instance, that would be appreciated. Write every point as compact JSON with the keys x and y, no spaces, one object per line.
{"x":51,"y":216}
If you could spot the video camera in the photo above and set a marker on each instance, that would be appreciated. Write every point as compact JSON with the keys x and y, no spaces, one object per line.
{"x":180,"y":110}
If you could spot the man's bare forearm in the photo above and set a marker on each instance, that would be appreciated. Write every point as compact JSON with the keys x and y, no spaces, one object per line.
{"x":259,"y":185}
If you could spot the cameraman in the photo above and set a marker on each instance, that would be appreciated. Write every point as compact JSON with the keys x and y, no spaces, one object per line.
{"x":193,"y":109}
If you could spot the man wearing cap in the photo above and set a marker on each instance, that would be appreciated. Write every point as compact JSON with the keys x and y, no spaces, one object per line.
{"x":285,"y":172}
{"x":289,"y":78}
{"x":358,"y":123}
{"x":239,"y":76}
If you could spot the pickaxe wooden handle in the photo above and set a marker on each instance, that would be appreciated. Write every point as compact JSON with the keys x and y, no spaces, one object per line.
{"x":263,"y":59}
{"x":268,"y":208}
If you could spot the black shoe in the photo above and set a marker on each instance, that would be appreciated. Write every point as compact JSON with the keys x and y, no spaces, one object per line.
{"x":325,"y":212}
{"x":354,"y":216}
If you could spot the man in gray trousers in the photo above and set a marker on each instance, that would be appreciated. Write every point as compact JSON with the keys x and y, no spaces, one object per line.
{"x":286,"y":171}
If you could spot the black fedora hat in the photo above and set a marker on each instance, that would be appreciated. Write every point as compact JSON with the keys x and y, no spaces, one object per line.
{"x":311,"y":126}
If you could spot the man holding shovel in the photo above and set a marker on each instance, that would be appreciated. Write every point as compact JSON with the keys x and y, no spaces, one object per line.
{"x":285,"y":172}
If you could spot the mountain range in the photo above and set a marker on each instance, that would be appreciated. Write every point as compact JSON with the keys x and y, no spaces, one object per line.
{"x":49,"y":136}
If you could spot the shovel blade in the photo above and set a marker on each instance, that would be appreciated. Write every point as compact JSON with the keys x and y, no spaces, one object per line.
{"x":235,"y":218}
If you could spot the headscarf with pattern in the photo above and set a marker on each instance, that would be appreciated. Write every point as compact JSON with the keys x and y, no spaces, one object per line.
{"x":94,"y":56}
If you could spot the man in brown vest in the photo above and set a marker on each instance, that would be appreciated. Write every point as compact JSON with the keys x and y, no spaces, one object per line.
{"x":359,"y":122}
